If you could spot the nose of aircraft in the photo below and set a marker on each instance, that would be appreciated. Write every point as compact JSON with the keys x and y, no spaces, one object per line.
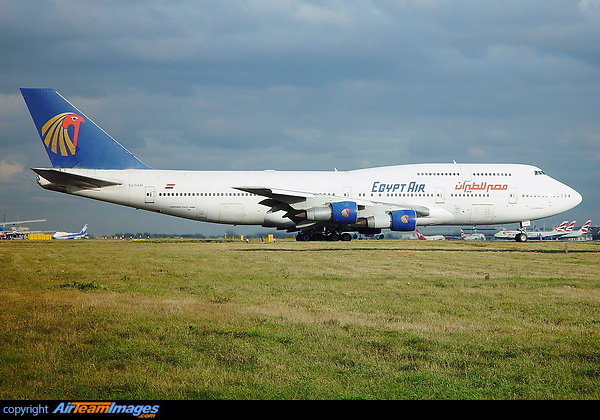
{"x":576,"y":198}
{"x":566,"y":197}
{"x":573,"y":197}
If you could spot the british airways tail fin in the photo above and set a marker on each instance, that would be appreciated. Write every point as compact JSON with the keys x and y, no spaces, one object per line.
{"x":561,"y":227}
{"x":71,"y":139}
{"x":586,"y":227}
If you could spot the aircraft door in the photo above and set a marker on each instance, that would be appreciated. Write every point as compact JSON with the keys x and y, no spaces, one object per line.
{"x":149,"y":194}
{"x":512,"y":195}
{"x":465,"y":172}
{"x":439,"y":195}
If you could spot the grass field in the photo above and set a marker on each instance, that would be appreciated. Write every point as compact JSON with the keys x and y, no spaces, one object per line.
{"x":108,"y":319}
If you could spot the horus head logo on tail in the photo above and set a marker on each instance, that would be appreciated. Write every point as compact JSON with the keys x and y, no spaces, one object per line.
{"x":55,"y":133}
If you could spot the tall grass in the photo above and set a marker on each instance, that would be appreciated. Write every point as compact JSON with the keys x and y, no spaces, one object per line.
{"x":94,"y":319}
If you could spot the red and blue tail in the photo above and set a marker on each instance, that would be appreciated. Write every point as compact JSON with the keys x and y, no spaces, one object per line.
{"x":71,"y":139}
{"x":586,"y":227}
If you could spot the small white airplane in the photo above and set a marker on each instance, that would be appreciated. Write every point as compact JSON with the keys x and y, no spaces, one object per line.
{"x":66,"y":235}
{"x":472,"y":236}
{"x":87,"y":162}
{"x":429,"y":238}
{"x":578,"y":233}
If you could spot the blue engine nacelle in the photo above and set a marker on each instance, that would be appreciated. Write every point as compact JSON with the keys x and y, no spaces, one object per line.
{"x":403,"y":220}
{"x":341,"y":212}
{"x":345,"y":212}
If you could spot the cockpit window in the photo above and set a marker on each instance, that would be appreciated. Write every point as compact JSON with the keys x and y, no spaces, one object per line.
{"x":539,"y":173}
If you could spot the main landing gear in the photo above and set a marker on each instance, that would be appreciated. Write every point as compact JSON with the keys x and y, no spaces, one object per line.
{"x":323,"y":236}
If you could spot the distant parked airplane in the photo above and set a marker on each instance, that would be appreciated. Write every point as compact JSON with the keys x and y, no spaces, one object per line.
{"x":66,"y":235}
{"x":578,"y":233}
{"x":472,"y":236}
{"x":536,"y":234}
{"x":13,"y":230}
{"x":429,"y":238}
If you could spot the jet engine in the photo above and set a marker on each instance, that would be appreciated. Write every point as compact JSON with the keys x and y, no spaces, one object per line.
{"x":398,"y":220}
{"x":340,"y":212}
{"x":403,"y":220}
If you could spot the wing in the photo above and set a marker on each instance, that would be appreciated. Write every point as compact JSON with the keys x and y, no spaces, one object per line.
{"x":279,"y":195}
{"x":296,"y":204}
{"x":20,"y":222}
{"x":291,"y":202}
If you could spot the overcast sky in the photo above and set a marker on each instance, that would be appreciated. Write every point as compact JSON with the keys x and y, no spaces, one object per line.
{"x":291,"y":84}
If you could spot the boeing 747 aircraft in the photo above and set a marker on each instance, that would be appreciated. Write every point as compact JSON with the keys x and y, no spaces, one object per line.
{"x":87,"y":162}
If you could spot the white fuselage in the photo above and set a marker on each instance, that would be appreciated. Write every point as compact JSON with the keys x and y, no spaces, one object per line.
{"x":456,"y":194}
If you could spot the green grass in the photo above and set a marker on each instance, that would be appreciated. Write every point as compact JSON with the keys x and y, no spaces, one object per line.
{"x":103,"y":319}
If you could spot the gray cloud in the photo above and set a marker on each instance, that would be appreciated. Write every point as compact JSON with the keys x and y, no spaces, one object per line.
{"x":308,"y":85}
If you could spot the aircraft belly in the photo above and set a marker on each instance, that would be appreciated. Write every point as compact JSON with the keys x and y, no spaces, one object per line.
{"x":231,"y":212}
{"x":114,"y":194}
{"x":201,"y":213}
{"x":482,"y":213}
{"x":117,"y":194}
{"x":437,"y":216}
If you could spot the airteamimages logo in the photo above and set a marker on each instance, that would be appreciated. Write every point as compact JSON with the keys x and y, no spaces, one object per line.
{"x":142,"y":411}
{"x":55,"y":133}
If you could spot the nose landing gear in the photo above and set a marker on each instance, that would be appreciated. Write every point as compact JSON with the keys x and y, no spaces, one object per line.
{"x":522,"y":235}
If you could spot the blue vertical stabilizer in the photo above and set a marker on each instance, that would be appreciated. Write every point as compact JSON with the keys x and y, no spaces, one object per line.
{"x":71,"y":139}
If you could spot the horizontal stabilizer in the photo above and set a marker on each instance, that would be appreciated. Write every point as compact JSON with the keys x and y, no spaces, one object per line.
{"x":62,"y":177}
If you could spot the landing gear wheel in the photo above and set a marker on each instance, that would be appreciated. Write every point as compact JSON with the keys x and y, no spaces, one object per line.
{"x":303,"y":237}
{"x":317,"y":236}
{"x":346,"y":237}
{"x":521,"y":237}
{"x":334,"y":237}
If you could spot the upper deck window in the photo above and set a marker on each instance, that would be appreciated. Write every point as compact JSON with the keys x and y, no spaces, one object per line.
{"x":539,"y":172}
